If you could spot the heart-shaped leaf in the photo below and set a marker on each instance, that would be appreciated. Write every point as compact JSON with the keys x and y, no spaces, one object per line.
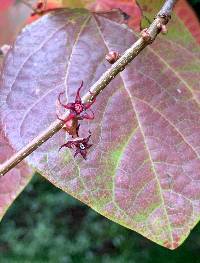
{"x":143,"y":170}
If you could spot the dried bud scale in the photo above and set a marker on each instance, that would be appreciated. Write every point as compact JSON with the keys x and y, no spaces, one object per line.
{"x":162,"y":28}
{"x":146,"y":36}
{"x":112,"y":57}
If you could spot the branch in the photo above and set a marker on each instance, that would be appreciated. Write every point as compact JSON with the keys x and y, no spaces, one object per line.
{"x":162,"y":18}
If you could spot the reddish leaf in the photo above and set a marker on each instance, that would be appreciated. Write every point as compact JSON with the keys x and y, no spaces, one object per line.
{"x":13,"y":182}
{"x":143,"y":168}
{"x":4,"y":4}
{"x":50,"y":5}
{"x":11,"y":22}
{"x":128,"y":6}
{"x":187,"y":15}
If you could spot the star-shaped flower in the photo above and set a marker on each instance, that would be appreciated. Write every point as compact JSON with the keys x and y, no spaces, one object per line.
{"x":80,"y":145}
{"x":78,"y":109}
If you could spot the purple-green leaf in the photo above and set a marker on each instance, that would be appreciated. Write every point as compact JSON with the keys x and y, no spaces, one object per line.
{"x":143,"y":170}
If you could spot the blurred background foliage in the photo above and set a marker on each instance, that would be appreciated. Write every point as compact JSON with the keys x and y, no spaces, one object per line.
{"x":47,"y":225}
{"x":196,"y":6}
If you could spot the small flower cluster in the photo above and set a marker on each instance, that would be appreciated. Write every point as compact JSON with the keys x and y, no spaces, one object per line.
{"x":80,"y":145}
{"x":78,"y":111}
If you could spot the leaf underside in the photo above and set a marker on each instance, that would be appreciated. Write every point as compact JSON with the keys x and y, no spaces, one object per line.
{"x":143,"y":170}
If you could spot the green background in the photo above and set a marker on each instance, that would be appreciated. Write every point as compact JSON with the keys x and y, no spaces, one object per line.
{"x":47,"y":225}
